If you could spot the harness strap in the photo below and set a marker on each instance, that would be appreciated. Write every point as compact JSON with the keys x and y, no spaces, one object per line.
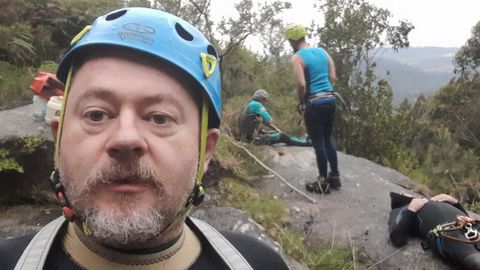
{"x":230,"y":255}
{"x":321,"y":95}
{"x":35,"y":255}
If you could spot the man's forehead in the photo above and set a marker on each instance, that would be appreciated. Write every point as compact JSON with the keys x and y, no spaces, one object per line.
{"x":167,"y":97}
{"x":175,"y":73}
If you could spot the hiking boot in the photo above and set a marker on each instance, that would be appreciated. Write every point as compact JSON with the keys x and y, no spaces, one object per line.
{"x":334,"y":181}
{"x":320,"y":186}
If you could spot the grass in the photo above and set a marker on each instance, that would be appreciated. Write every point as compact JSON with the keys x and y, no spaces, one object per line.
{"x":25,"y":165}
{"x":272,"y":213}
{"x":14,"y":85}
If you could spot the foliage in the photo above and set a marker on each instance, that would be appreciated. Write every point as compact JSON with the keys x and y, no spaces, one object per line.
{"x":271,"y":214}
{"x":14,"y":85}
{"x":266,"y":211}
{"x":443,"y":142}
{"x":18,"y":47}
{"x":25,"y":164}
{"x":231,"y":31}
{"x":7,"y":163}
{"x":41,"y":29}
{"x":456,"y":107}
{"x":237,"y":161}
{"x":353,"y":28}
{"x":467,"y":60}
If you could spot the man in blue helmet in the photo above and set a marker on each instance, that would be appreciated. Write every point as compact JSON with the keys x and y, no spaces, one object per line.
{"x":315,"y":71}
{"x":138,"y":128}
{"x":253,"y":115}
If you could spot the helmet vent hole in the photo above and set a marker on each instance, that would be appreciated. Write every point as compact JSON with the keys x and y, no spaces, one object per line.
{"x":183,"y":33}
{"x":211,"y":50}
{"x":115,"y":15}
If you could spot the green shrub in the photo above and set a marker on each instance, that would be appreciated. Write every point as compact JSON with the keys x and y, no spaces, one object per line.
{"x":273,"y":216}
{"x":236,"y":161}
{"x":25,"y":166}
{"x":14,"y":85}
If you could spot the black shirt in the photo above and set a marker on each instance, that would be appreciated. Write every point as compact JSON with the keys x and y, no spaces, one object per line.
{"x":404,"y":223}
{"x":258,"y":254}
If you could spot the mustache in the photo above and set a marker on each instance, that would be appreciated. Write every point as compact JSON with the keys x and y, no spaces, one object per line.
{"x":116,"y":172}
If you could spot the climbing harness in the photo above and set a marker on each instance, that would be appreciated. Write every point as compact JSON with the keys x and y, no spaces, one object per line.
{"x":35,"y":255}
{"x":466,"y":225}
{"x":343,"y":101}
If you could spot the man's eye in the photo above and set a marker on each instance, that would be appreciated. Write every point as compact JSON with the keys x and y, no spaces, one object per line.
{"x":96,"y":116}
{"x":159,"y":119}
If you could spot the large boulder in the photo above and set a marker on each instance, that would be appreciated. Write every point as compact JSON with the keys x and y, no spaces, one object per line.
{"x":19,"y":122}
{"x":235,"y":220}
{"x":357,"y":215}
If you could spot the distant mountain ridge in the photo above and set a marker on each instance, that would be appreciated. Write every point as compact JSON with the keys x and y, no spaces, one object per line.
{"x":415,"y":70}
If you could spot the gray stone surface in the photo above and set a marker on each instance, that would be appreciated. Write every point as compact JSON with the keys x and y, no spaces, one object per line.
{"x":232,"y":219}
{"x":19,"y":122}
{"x":358,"y":212}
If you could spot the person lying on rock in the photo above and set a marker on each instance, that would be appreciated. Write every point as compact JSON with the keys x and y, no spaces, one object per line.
{"x":254,"y":114}
{"x":443,"y":225}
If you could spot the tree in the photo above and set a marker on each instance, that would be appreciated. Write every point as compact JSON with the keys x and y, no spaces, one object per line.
{"x":352,"y":33}
{"x":467,"y":59}
{"x":230,"y":32}
{"x":353,"y":30}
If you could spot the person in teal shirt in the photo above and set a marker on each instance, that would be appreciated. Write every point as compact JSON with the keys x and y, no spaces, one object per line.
{"x":253,"y":115}
{"x":315,"y":70}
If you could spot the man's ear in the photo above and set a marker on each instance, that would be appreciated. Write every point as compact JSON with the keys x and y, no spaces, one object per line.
{"x":213,"y":135}
{"x":54,"y":127}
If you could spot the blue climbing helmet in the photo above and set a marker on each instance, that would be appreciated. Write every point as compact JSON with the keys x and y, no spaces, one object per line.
{"x":158,"y":34}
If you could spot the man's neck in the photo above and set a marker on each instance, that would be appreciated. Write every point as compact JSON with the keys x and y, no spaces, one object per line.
{"x":302,"y":45}
{"x":181,"y":253}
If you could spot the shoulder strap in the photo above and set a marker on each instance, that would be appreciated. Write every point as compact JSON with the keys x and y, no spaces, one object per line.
{"x":230,"y":255}
{"x":35,"y":255}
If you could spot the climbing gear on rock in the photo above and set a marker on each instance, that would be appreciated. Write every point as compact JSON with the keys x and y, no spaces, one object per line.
{"x":465,"y":225}
{"x":321,"y":186}
{"x":46,"y":85}
{"x":334,"y":181}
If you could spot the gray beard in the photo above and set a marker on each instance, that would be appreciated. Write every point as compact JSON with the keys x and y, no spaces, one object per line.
{"x":122,"y":226}
{"x":114,"y":229}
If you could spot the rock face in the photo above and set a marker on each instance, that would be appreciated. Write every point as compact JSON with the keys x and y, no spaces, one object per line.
{"x":232,"y":219}
{"x":357,"y":213}
{"x":19,"y":122}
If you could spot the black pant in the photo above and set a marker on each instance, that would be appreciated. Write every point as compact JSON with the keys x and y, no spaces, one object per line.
{"x":319,"y":120}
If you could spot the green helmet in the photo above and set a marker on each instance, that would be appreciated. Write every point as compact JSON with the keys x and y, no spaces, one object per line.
{"x":295,"y":32}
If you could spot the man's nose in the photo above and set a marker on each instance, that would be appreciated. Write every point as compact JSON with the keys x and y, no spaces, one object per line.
{"x":127,"y":140}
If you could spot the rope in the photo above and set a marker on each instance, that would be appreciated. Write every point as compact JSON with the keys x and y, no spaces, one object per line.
{"x":271,"y":170}
{"x":461,"y":223}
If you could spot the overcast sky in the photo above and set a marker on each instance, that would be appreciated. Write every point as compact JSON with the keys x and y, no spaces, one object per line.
{"x":444,"y":23}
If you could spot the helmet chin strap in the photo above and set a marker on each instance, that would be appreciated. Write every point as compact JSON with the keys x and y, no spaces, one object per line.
{"x":195,"y":197}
